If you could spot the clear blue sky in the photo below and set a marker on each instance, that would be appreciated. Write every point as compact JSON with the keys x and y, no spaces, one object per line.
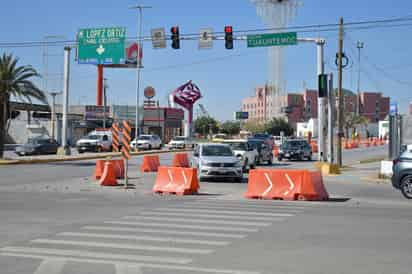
{"x":226,"y":81}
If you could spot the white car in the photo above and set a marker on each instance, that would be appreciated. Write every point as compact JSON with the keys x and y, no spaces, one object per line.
{"x":181,"y":142}
{"x":246,"y":153}
{"x":146,"y":142}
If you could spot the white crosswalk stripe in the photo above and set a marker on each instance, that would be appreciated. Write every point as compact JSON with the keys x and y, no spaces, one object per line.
{"x":200,"y":221}
{"x":124,"y":246}
{"x":184,"y":226}
{"x":242,"y":207}
{"x":214,"y":216}
{"x":95,"y":255}
{"x":135,"y":242}
{"x":52,"y":266}
{"x":145,"y":265}
{"x":144,"y":238}
{"x":213,"y":211}
{"x":167,"y":232}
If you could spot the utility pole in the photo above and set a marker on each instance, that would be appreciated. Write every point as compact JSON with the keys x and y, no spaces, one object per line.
{"x":139,"y":64}
{"x":65,"y":149}
{"x":104,"y":101}
{"x":340,"y":95}
{"x":359,"y":46}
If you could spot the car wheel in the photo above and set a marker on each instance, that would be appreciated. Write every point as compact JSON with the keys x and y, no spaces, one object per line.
{"x":99,"y":149}
{"x":406,"y":186}
{"x":150,"y":147}
{"x":270,"y":161}
{"x":280,"y":159}
{"x":238,"y":179}
{"x":244,"y":169}
{"x":309,"y":157}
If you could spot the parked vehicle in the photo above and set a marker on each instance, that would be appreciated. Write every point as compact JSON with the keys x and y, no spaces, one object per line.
{"x":180,"y":142}
{"x":295,"y":149}
{"x":264,"y":150}
{"x":265,"y":137}
{"x":245,"y":152}
{"x":38,"y":146}
{"x":218,"y":138}
{"x":147,"y":141}
{"x":278,"y":140}
{"x":402,"y":173}
{"x":95,"y":141}
{"x":217,"y":161}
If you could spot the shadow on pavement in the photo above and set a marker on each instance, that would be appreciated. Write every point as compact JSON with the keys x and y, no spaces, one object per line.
{"x":338,"y":200}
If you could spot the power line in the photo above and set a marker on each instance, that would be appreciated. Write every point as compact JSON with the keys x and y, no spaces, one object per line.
{"x":381,"y":70}
{"x":356,"y":25}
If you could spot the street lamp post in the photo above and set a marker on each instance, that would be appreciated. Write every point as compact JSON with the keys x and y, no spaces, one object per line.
{"x":360,"y":46}
{"x":104,"y":101}
{"x":138,"y":66}
{"x":53,"y":113}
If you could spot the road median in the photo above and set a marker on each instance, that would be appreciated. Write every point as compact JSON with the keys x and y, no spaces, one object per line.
{"x":55,"y":158}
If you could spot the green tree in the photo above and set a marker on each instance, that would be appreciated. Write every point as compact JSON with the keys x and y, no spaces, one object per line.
{"x":205,"y":125}
{"x":15,"y":81}
{"x":253,"y":127}
{"x":277,"y":125}
{"x":352,"y":121}
{"x":230,"y":127}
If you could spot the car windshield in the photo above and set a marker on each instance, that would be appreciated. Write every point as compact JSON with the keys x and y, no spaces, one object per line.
{"x":179,"y":138}
{"x":261,"y":136}
{"x":255,"y":144}
{"x":238,"y":146}
{"x":294,"y":144}
{"x":93,"y":137}
{"x":217,"y":151}
{"x":144,"y":137}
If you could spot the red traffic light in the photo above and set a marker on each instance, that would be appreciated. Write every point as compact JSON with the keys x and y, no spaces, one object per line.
{"x":174,"y":30}
{"x":228,"y":29}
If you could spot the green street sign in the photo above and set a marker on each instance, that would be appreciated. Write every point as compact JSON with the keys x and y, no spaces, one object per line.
{"x":272,"y":39}
{"x":101,"y":45}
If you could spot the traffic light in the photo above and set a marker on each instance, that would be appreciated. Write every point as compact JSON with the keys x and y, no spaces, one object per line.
{"x":175,"y":37}
{"x":228,"y":37}
{"x":323,"y":85}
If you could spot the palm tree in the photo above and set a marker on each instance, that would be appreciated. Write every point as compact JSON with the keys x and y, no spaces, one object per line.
{"x":15,"y":81}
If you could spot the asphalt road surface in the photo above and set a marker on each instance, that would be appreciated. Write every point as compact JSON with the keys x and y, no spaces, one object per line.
{"x":55,"y":219}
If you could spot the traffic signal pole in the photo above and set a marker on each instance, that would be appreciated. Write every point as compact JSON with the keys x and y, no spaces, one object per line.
{"x":321,"y":104}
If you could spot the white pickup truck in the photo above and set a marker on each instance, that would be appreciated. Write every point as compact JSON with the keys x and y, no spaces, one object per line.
{"x":247,"y":154}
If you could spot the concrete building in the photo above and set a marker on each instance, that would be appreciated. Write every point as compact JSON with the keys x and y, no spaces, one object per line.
{"x":300,"y":107}
{"x":374,"y":106}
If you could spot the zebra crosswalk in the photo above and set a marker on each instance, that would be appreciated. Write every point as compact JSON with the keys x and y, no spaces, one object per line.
{"x":160,"y":239}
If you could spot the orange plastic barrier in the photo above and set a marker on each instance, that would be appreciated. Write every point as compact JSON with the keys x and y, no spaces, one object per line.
{"x":314,"y":147}
{"x":181,"y":160}
{"x":151,"y":163}
{"x":176,"y":180}
{"x":99,"y":169}
{"x":276,"y":151}
{"x":118,"y":167}
{"x":109,"y":175}
{"x":286,"y":185}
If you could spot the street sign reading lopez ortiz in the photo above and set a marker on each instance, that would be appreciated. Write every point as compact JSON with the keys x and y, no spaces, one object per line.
{"x":272,"y":39}
{"x":101,"y":45}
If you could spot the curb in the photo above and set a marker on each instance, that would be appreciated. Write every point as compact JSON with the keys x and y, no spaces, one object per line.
{"x":82,"y":158}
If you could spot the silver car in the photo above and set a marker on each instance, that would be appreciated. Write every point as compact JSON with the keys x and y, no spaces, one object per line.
{"x":217,"y":161}
{"x":402,"y":174}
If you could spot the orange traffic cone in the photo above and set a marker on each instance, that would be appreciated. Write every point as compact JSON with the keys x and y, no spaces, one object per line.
{"x":109,"y":175}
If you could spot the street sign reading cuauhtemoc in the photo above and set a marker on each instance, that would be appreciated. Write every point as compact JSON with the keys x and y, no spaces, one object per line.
{"x":101,"y":45}
{"x":272,"y":39}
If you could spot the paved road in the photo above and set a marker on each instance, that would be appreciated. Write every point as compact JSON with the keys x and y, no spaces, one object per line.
{"x":72,"y":225}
